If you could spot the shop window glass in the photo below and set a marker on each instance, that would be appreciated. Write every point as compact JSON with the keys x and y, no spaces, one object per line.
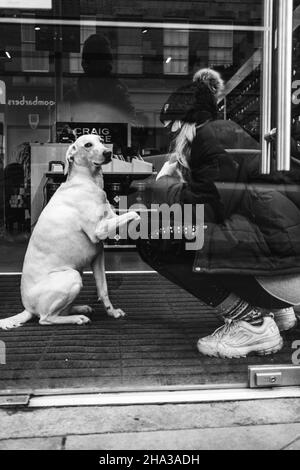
{"x":85,"y":32}
{"x":176,"y":52}
{"x":153,"y":48}
{"x":32,"y":59}
{"x":129,"y":51}
{"x":220,"y":48}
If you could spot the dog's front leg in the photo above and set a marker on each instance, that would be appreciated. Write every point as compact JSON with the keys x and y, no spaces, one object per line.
{"x":98,"y":267}
{"x":108,"y":225}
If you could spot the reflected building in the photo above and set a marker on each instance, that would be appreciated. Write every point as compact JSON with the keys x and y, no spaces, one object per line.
{"x":108,"y":67}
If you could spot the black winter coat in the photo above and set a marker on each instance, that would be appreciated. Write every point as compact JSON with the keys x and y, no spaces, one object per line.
{"x":253,"y":220}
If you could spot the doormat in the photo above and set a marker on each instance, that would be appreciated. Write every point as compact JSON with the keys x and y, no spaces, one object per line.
{"x":154,"y":345}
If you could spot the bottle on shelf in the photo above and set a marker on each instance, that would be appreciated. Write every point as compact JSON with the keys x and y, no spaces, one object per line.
{"x":141,"y":194}
{"x":114,"y":191}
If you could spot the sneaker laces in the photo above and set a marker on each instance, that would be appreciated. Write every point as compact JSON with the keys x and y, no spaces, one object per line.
{"x":224,"y":329}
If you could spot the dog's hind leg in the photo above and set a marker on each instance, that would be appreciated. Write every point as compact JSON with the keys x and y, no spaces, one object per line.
{"x":98,"y":267}
{"x":81,"y":309}
{"x":56,"y":294}
{"x":16,"y":320}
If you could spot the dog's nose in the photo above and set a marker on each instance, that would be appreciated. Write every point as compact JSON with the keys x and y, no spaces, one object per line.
{"x":107,"y":156}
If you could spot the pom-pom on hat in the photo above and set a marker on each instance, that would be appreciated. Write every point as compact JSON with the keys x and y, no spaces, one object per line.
{"x":196,"y":102}
{"x":212,"y":79}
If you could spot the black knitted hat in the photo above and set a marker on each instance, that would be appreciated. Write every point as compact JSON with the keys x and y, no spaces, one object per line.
{"x":195,"y":102}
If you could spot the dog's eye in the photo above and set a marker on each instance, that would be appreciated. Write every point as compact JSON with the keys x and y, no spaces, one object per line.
{"x":88,"y":144}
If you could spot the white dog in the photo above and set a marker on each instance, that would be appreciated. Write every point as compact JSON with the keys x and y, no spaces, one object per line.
{"x":68,"y":237}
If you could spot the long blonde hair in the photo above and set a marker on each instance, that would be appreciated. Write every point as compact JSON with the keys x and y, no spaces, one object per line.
{"x":180,"y":148}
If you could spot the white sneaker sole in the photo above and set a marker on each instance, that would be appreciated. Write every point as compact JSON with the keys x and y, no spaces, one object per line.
{"x":264,"y":349}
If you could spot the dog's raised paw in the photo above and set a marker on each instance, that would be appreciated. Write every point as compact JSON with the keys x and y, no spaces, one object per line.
{"x":134,"y":215}
{"x":116,"y":313}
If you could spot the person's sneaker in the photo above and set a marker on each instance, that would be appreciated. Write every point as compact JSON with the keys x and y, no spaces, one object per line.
{"x":239,"y":338}
{"x":285,"y":318}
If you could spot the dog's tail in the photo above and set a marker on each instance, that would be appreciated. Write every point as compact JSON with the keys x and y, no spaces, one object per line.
{"x":16,"y":320}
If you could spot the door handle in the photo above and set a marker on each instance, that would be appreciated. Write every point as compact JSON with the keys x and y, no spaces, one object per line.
{"x":271,"y":136}
{"x":267,"y":58}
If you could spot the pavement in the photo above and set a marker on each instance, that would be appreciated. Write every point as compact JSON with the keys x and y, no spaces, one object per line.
{"x":247,"y":425}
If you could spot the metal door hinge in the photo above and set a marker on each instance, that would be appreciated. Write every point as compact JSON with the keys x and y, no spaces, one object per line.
{"x":273,"y":376}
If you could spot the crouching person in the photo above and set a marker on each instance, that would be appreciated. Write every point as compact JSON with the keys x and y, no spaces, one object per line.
{"x":248,"y":269}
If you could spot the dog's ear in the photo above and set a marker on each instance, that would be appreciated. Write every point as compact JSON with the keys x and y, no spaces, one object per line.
{"x":70,"y":157}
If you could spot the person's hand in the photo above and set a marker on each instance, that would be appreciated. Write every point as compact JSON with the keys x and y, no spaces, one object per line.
{"x":169,"y":169}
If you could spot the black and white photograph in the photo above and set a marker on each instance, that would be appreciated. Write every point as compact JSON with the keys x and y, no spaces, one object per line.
{"x":149,"y":229}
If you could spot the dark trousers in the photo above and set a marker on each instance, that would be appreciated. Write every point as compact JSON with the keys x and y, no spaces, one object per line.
{"x":209,"y":288}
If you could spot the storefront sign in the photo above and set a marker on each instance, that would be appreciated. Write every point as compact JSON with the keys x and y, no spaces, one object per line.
{"x":29,"y":4}
{"x":111,"y":133}
{"x":25,"y":101}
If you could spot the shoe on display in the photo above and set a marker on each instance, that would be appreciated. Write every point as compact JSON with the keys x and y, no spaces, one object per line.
{"x":238,"y":339}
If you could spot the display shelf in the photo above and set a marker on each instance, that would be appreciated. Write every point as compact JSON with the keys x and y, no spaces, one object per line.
{"x":132,"y":176}
{"x":110,"y":175}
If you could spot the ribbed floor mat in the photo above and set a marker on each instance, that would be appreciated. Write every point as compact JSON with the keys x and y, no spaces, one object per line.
{"x":154,"y":345}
